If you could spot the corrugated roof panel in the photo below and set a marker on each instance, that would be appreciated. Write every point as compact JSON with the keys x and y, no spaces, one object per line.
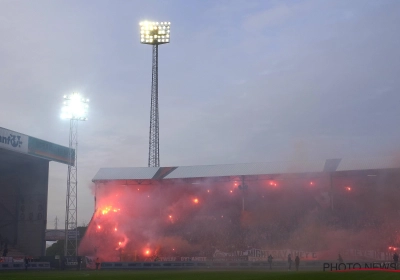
{"x":368,"y":163}
{"x":245,"y":169}
{"x":262,"y":168}
{"x":125,"y":173}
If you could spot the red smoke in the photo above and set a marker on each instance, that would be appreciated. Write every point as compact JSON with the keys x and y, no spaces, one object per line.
{"x":176,"y":218}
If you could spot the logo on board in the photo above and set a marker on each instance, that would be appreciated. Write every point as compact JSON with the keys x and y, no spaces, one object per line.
{"x":13,"y":140}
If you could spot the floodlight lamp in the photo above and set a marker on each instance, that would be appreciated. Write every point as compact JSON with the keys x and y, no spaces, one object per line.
{"x":153,"y":32}
{"x":75,"y":107}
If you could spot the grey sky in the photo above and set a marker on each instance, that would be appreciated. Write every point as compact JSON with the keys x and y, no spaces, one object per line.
{"x":241,"y":81}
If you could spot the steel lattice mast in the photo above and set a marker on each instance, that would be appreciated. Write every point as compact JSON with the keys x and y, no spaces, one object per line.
{"x":71,"y":212}
{"x":154,"y":136}
{"x":154,"y":33}
{"x":75,"y":109}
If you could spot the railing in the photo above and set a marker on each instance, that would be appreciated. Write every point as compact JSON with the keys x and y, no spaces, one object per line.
{"x":276,"y":265}
{"x":207,"y":264}
{"x":21,"y":265}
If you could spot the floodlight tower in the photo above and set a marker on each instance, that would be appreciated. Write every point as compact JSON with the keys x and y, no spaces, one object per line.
{"x":75,"y":108}
{"x":154,"y":33}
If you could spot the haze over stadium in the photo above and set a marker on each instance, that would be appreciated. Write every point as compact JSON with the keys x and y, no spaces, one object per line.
{"x":208,"y":212}
{"x":254,"y":81}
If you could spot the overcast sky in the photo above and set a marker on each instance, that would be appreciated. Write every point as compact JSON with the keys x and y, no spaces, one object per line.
{"x":241,"y":81}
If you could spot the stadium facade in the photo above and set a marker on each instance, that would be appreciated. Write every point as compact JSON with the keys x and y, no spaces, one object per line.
{"x":24,"y":173}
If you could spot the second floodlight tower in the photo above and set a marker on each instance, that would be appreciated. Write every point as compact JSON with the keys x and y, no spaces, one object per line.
{"x":75,"y":109}
{"x":154,"y":33}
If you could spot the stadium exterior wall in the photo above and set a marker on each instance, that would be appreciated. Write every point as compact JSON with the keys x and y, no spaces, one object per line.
{"x":23,"y":197}
{"x":24,"y":173}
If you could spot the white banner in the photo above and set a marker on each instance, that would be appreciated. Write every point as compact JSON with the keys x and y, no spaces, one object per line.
{"x":183,"y":259}
{"x":14,"y":141}
{"x":281,"y":255}
{"x":262,"y":255}
{"x":355,"y":254}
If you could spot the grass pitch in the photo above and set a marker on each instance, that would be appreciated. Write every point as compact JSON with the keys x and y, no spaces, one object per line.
{"x":194,"y":275}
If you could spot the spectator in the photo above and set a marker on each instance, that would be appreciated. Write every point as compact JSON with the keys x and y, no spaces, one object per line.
{"x":297,"y":262}
{"x":270,"y":258}
{"x":97,"y":263}
{"x":289,"y":259}
{"x":395,"y":259}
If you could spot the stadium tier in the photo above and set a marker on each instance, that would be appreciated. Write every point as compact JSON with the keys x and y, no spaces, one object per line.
{"x":247,"y":211}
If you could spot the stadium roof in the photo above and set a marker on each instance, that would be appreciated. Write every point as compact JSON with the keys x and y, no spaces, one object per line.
{"x":245,"y":169}
{"x":18,"y":148}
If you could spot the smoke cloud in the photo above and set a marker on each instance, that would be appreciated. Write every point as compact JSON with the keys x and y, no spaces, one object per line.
{"x":196,"y":218}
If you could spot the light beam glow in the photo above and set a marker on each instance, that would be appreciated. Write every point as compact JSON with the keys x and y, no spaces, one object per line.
{"x":75,"y":107}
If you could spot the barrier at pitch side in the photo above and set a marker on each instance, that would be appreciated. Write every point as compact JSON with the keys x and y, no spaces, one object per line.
{"x":206,"y":264}
{"x":21,"y":266}
{"x":277,"y":265}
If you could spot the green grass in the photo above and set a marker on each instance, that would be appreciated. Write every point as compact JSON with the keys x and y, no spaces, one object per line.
{"x":194,"y":275}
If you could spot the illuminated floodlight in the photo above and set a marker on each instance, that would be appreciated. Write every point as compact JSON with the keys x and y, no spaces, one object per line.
{"x":75,"y":107}
{"x":154,"y":33}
